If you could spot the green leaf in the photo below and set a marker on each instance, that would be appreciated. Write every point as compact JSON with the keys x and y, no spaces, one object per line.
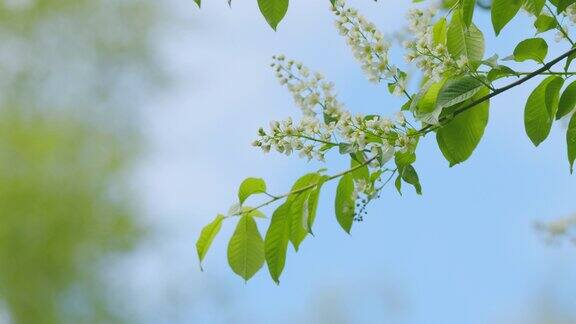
{"x":563,"y":4}
{"x":300,"y":207}
{"x":541,"y":108}
{"x":503,"y":11}
{"x":250,"y":211}
{"x":439,"y":32}
{"x":567,"y":101}
{"x":362,"y":172}
{"x":249,"y":187}
{"x":531,"y":49}
{"x":313,"y":203}
{"x":458,"y":139}
{"x":246,"y":248}
{"x":457,"y":90}
{"x":534,"y":6}
{"x":467,"y":11}
{"x":571,"y":141}
{"x":198,"y":2}
{"x":426,"y":100}
{"x":273,"y":11}
{"x":410,"y":176}
{"x":207,"y":235}
{"x":462,"y":40}
{"x":398,"y":184}
{"x":345,"y":202}
{"x":569,"y":60}
{"x":500,"y":72}
{"x":544,"y":23}
{"x":276,"y":241}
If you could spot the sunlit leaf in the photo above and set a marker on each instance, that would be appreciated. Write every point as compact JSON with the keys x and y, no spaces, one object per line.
{"x":246,"y":248}
{"x":249,"y":187}
{"x":276,"y":241}
{"x":467,"y":11}
{"x":345,"y":202}
{"x":439,"y":31}
{"x":534,"y":49}
{"x":300,"y":207}
{"x":462,"y":40}
{"x":458,"y":139}
{"x":207,"y":235}
{"x":544,"y":23}
{"x":457,"y":90}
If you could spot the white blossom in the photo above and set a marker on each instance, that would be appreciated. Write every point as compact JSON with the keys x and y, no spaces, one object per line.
{"x":368,"y":45}
{"x":432,"y":58}
{"x":326,"y":123}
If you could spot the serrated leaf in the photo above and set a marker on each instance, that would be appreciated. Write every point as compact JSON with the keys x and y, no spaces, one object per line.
{"x":273,"y":11}
{"x":571,"y":142}
{"x":460,"y":136}
{"x":534,"y":49}
{"x":462,"y":40}
{"x":249,"y":187}
{"x":458,"y":90}
{"x":246,"y":248}
{"x":541,"y":108}
{"x":567,"y":101}
{"x":276,"y":241}
{"x":345,"y":202}
{"x":207,"y":235}
{"x":503,"y":11}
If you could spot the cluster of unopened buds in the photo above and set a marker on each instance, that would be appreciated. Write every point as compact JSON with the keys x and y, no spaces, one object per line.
{"x":433,"y":59}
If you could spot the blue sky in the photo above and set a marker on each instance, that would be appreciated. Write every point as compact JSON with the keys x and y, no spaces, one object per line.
{"x":464,"y":252}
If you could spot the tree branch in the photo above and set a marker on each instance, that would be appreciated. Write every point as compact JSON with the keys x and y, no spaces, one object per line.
{"x":498,"y":91}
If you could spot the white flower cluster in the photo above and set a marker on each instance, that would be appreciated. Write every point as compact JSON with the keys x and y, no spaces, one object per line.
{"x":312,"y":137}
{"x":571,"y":13}
{"x":368,"y":46}
{"x":309,"y":90}
{"x":433,"y":59}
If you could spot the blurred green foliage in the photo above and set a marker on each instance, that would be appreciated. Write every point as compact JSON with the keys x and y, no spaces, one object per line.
{"x":61,"y":212}
{"x":72,"y":75}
